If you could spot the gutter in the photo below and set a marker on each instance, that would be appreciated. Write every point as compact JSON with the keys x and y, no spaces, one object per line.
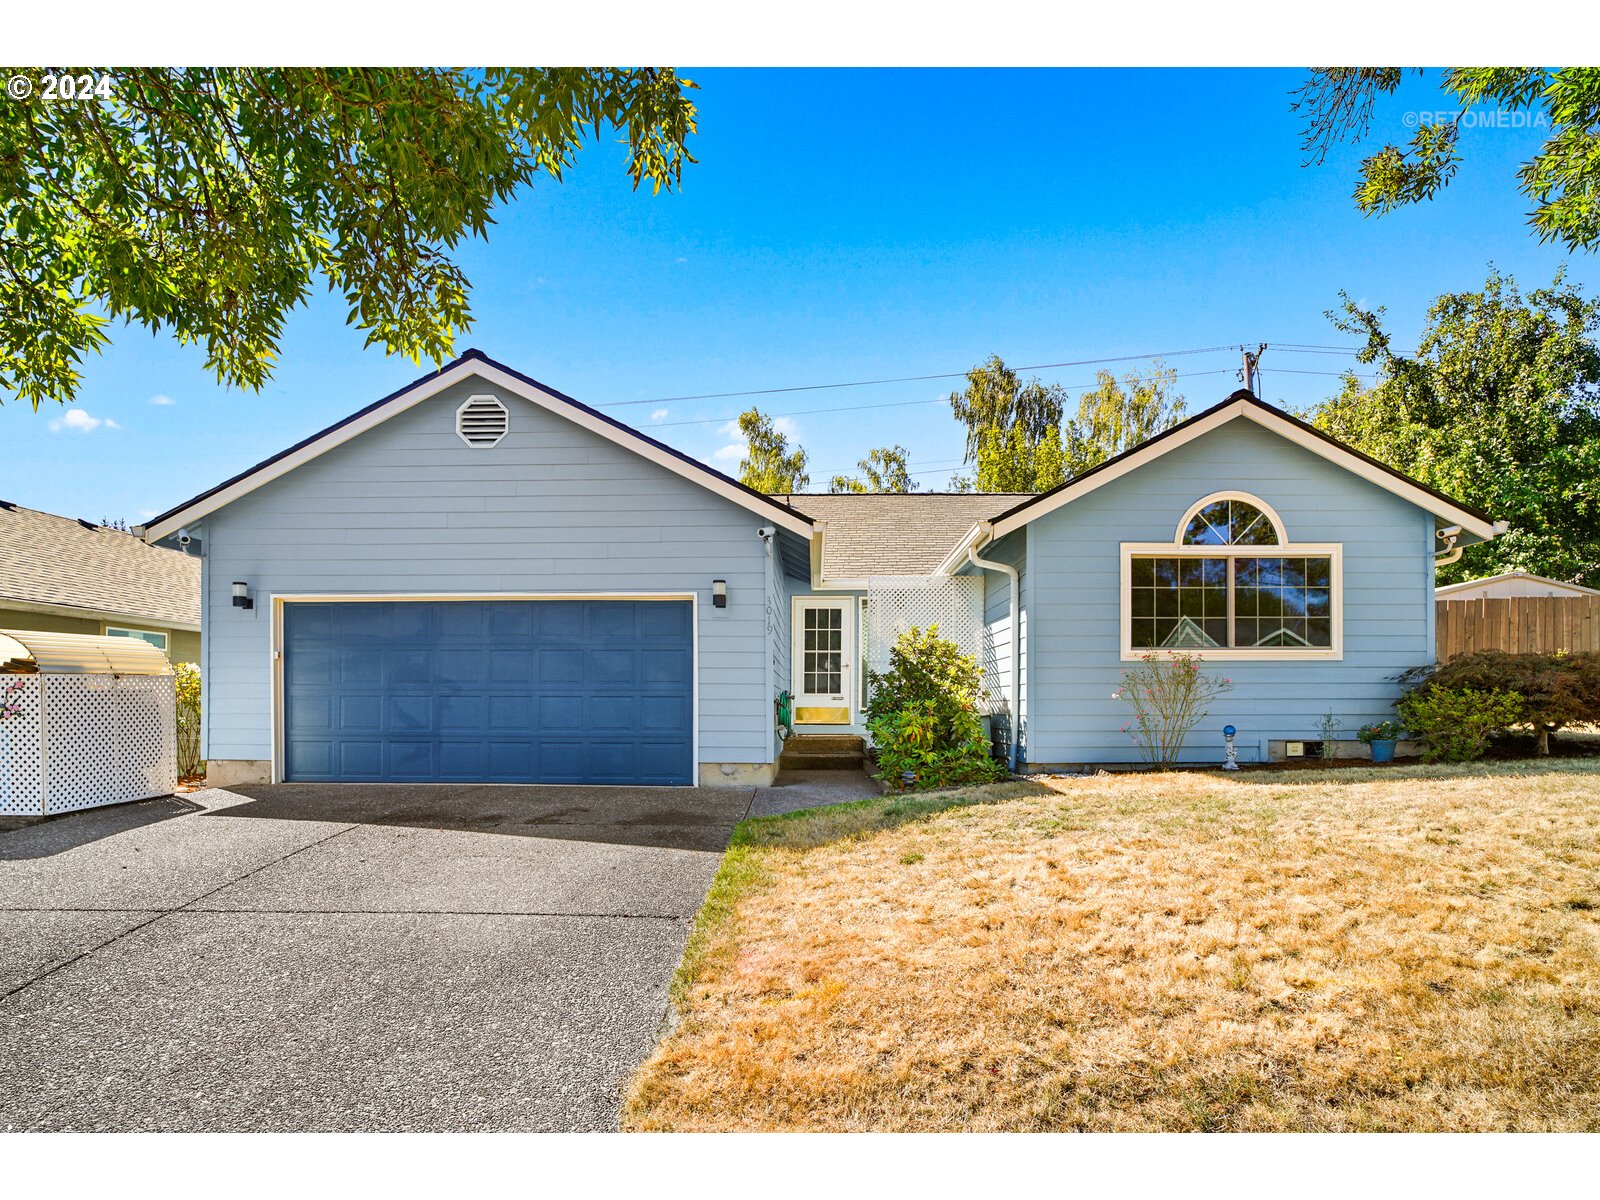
{"x":985,"y":530}
{"x":1450,"y":535}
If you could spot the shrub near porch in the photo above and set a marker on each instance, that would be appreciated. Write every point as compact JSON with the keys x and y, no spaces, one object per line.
{"x":1316,"y":951}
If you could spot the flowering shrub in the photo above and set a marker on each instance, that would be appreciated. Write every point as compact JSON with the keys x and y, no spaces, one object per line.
{"x":1170,"y":696}
{"x":923,"y":714}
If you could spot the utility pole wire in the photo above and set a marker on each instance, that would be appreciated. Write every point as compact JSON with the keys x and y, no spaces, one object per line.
{"x":820,"y":387}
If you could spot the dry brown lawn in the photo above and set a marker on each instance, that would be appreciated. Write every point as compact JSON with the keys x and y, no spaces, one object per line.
{"x":1412,"y":949}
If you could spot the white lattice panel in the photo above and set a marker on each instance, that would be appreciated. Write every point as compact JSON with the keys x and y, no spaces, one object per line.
{"x":952,"y":602}
{"x":108,"y":739}
{"x":21,"y":780}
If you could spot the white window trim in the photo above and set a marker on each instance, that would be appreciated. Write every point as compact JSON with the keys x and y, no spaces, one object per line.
{"x":1244,"y":497}
{"x":145,"y":634}
{"x":1333,"y":551}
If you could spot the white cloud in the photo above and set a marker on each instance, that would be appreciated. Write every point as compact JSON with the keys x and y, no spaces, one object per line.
{"x":660,"y":414}
{"x":738,"y":447}
{"x":79,"y":421}
{"x":147,"y":513}
{"x":162,"y":400}
{"x":681,"y":260}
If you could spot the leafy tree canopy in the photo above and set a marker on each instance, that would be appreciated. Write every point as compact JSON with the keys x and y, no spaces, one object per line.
{"x":769,"y":465}
{"x":206,"y":202}
{"x":882,"y":470}
{"x":1562,"y":180}
{"x":1010,"y":425}
{"x":1500,"y":406}
{"x":1018,"y":442}
{"x":1118,"y":415}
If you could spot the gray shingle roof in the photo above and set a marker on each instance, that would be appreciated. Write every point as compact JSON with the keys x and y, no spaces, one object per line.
{"x":892,"y":534}
{"x":46,"y":559}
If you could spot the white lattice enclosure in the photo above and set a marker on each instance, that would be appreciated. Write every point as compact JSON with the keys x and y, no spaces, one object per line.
{"x":79,"y":737}
{"x":896,"y":603}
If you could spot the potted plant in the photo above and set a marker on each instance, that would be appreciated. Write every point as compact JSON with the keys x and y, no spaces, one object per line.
{"x":1381,"y":738}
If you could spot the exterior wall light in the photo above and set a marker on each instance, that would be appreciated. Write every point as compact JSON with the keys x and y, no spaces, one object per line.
{"x":719,"y":593}
{"x":241,"y":595}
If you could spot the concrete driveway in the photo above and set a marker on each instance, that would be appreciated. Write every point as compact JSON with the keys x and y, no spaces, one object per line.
{"x":340,"y":958}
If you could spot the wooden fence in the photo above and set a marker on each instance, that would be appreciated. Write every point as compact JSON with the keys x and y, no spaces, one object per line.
{"x":1525,"y":624}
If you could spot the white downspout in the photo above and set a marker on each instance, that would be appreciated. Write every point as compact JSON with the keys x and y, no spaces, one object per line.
{"x":986,"y":533}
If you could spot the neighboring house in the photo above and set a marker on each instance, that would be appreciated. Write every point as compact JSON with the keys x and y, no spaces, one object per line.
{"x":479,"y":579}
{"x":1512,"y":583}
{"x":62,"y":575}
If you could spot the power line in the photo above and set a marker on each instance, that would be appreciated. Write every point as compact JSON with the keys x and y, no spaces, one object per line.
{"x":808,"y":412}
{"x":820,"y":387}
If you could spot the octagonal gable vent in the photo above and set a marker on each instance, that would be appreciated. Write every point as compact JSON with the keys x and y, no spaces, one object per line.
{"x":482,"y":421}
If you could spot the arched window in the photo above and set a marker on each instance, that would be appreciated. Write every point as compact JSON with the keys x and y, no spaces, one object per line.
{"x":1231,"y":585}
{"x":1231,"y":520}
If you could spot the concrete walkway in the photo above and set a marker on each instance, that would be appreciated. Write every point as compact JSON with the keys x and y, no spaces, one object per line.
{"x":348,"y":958}
{"x":813,"y":789}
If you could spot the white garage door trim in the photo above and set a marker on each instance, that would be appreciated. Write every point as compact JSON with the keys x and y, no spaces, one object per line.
{"x":275,"y":653}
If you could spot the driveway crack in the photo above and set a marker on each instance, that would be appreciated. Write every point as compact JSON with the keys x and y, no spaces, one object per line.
{"x":111,"y":941}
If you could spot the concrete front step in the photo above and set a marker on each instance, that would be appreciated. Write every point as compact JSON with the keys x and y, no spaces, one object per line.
{"x":821,"y":752}
{"x":819,"y":762}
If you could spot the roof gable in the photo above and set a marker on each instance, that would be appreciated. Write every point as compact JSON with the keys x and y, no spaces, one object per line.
{"x":1242,"y":405}
{"x":475,"y":363}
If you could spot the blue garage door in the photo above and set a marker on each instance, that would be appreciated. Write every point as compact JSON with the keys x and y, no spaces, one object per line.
{"x":510,"y":691}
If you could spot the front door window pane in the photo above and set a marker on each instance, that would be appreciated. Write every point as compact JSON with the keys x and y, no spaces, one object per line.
{"x":823,"y":651}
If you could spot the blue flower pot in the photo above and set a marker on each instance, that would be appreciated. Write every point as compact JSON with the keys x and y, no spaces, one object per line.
{"x":1382,"y":751}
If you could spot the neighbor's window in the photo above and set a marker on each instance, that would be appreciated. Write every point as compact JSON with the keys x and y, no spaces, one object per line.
{"x":158,"y":640}
{"x":1217,"y":590}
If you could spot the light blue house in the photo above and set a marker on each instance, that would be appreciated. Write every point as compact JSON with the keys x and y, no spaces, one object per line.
{"x":478,"y":579}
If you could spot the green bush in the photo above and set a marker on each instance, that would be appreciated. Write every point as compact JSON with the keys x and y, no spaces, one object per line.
{"x":190,"y":764}
{"x":1455,"y":724}
{"x":923,"y":714}
{"x":1556,"y":689}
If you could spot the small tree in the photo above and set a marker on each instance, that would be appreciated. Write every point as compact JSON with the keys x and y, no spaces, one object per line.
{"x":1170,"y":696}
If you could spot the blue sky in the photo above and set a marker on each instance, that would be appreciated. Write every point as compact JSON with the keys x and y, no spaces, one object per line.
{"x":852,"y":225}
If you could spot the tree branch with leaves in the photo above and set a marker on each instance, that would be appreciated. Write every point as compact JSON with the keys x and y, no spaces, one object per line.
{"x":1562,"y":179}
{"x":208,"y":202}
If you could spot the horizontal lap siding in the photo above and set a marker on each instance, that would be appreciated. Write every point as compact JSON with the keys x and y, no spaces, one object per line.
{"x":1012,"y":551}
{"x":408,"y":507}
{"x":1075,"y":564}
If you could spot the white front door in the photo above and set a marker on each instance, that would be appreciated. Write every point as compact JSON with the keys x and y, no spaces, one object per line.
{"x":824,"y":659}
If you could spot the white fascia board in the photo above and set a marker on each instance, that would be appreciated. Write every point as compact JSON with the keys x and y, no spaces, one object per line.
{"x":1267,"y":420}
{"x":470,"y":368}
{"x":957,"y":558}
